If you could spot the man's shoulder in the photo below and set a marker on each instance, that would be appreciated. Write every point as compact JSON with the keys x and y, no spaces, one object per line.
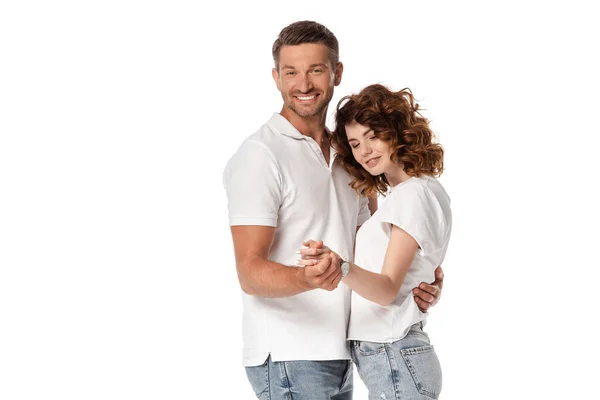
{"x":260,"y":145}
{"x":265,"y":134}
{"x":260,"y":142}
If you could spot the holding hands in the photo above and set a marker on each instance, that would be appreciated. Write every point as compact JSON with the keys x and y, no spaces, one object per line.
{"x":321,"y":265}
{"x":322,"y":270}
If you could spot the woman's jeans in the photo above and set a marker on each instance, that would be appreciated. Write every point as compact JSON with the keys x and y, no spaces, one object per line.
{"x":403,"y":370}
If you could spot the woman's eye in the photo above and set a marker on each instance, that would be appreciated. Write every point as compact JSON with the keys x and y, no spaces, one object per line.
{"x":354,"y":146}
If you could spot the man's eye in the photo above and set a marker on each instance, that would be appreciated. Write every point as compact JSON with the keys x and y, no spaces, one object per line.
{"x":317,"y":70}
{"x":290,"y":73}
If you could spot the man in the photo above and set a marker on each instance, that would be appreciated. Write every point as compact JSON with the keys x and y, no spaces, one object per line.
{"x":283,"y":189}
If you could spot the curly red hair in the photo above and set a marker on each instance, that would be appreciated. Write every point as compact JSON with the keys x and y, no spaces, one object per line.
{"x":395,"y":118}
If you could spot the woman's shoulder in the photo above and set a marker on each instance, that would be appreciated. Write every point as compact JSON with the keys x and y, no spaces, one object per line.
{"x":419,"y":189}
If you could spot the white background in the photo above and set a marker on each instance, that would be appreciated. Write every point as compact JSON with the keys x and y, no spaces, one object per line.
{"x":117,"y":117}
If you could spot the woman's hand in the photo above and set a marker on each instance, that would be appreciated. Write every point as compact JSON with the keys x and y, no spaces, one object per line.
{"x":313,"y":252}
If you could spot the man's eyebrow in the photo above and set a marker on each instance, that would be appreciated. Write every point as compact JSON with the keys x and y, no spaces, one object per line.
{"x":324,"y":65}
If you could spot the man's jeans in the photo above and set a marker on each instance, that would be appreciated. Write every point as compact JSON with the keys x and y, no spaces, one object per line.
{"x":406,"y":369}
{"x":302,"y":380}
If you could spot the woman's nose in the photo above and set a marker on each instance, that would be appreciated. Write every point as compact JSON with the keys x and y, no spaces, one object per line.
{"x":366,"y":150}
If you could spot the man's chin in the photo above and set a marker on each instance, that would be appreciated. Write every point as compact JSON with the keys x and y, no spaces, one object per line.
{"x":307,"y":111}
{"x":307,"y":115}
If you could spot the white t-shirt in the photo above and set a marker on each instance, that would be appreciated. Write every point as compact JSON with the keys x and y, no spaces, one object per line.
{"x":421,"y":207}
{"x":279,"y":178}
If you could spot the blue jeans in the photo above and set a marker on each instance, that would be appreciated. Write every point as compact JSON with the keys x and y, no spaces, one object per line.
{"x":302,"y":380}
{"x":406,"y":369}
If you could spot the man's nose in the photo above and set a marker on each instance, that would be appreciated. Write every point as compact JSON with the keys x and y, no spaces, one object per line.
{"x":305,"y":84}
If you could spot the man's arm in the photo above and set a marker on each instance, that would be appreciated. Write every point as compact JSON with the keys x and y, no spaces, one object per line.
{"x":259,"y":276}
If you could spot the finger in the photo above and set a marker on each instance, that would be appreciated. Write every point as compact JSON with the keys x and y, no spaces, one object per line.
{"x":318,"y":258}
{"x":334,"y":267}
{"x":304,"y":263}
{"x":334,"y":281}
{"x":331,"y":271}
{"x":431,"y":289}
{"x":423,"y":305}
{"x":316,"y":244}
{"x":328,"y":274}
{"x":439,"y":274}
{"x":423,"y":296}
{"x":335,"y":257}
{"x":325,"y":269}
{"x":318,"y":254}
{"x":312,"y":252}
{"x":313,"y":257}
{"x":321,"y":256}
{"x":319,"y":268}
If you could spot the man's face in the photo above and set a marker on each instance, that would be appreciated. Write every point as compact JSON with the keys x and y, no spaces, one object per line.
{"x":306,"y":78}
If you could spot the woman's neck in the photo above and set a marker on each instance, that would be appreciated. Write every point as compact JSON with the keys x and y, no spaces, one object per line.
{"x":396,"y":175}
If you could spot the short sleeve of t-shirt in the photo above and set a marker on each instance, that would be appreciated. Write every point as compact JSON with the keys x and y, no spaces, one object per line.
{"x":415,"y":209}
{"x":253,"y":185}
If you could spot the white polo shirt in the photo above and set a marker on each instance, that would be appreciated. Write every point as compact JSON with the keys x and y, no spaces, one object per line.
{"x":279,"y":178}
{"x":421,"y":207}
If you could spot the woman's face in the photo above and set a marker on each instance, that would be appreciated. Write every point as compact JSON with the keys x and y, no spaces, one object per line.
{"x":370,"y":152}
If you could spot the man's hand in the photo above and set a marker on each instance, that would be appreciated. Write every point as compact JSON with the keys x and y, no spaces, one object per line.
{"x":427,"y":295}
{"x":326,"y":274}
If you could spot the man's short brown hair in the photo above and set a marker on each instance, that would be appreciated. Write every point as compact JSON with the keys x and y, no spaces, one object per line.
{"x":306,"y":32}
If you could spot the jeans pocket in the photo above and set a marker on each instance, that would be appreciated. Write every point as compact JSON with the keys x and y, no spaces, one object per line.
{"x":425,"y":369}
{"x":369,"y":348}
{"x":259,"y":380}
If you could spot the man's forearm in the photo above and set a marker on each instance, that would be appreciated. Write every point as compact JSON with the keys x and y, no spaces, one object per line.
{"x":261,"y":277}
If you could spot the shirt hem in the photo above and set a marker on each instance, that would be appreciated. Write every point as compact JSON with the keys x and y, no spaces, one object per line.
{"x":236,"y":221}
{"x":254,"y":361}
{"x":391,"y":340}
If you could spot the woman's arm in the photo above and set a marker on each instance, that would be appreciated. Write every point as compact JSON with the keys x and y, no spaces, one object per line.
{"x":382,"y":288}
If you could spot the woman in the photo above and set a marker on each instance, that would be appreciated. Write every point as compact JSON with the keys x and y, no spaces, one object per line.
{"x":387,"y":147}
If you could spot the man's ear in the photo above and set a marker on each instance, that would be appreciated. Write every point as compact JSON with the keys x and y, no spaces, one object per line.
{"x":339,"y":70}
{"x":275,"y":75}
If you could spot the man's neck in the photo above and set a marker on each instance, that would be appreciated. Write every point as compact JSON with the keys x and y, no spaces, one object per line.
{"x":313,"y":127}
